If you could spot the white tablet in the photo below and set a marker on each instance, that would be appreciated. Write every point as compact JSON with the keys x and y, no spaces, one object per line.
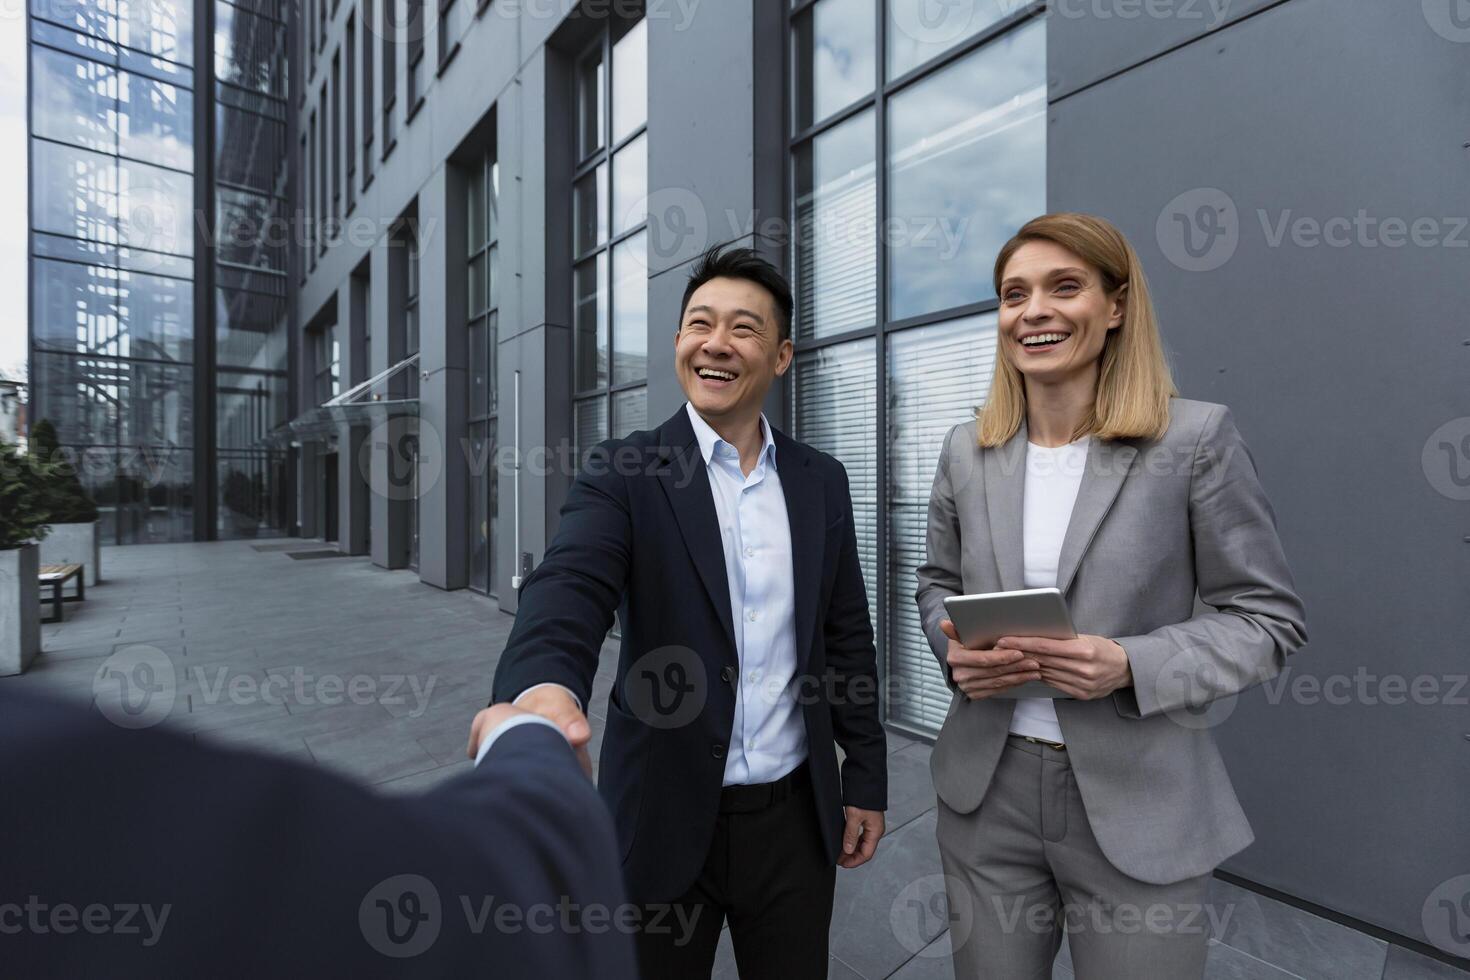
{"x":982,"y":619}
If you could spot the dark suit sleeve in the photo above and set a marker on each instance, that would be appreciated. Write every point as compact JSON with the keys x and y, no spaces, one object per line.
{"x":568,"y":603}
{"x":857,"y":721}
{"x":1241,"y":571}
{"x":209,"y":861}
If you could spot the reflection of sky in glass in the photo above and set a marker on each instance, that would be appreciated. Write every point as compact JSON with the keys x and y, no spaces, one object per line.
{"x":967,"y":164}
{"x":630,"y":309}
{"x":630,"y":81}
{"x":836,"y":247}
{"x":630,"y":186}
{"x":921,"y":29}
{"x":841,"y":57}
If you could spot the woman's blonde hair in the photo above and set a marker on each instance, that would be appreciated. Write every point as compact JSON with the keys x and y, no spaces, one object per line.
{"x":1134,"y":385}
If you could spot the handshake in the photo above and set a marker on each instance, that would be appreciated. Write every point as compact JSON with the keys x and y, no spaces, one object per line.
{"x":550,"y":701}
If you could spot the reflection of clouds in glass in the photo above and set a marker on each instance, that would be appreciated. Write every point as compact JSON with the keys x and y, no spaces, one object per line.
{"x":967,"y":165}
{"x":921,"y":29}
{"x":75,"y":192}
{"x":157,"y":208}
{"x":842,"y":58}
{"x":630,"y":309}
{"x":836,"y":249}
{"x":156,"y":121}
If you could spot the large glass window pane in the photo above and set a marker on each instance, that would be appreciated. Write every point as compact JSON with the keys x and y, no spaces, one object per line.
{"x":475,"y":209}
{"x":836,"y":252}
{"x":160,"y":27}
{"x":97,"y":19}
{"x":967,"y":167}
{"x":920,"y":29}
{"x":250,"y":331}
{"x":630,"y":82}
{"x":156,"y":121}
{"x":75,"y":308}
{"x":590,"y":337}
{"x":249,"y":51}
{"x":492,"y":351}
{"x":589,"y":198}
{"x":74,"y":192}
{"x":630,"y":309}
{"x":157,"y":316}
{"x":630,"y":412}
{"x":157,"y":208}
{"x":589,"y":106}
{"x":73,"y":100}
{"x":835,"y":403}
{"x":476,"y":282}
{"x":116,"y":402}
{"x":630,"y":186}
{"x":250,"y":229}
{"x":589,"y":424}
{"x":937,"y":377}
{"x":250,"y":149}
{"x":479,"y":362}
{"x":835,"y":57}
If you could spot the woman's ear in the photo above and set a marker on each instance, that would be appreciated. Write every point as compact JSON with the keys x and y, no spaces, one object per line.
{"x":1119,"y":309}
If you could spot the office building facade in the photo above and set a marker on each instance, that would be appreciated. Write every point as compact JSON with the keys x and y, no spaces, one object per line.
{"x":491,"y":207}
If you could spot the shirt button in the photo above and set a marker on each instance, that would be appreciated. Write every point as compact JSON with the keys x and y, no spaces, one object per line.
{"x":749,"y":552}
{"x":755,"y":677}
{"x":751,"y":615}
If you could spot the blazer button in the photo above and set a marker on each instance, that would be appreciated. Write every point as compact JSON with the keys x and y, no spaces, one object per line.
{"x":728,"y":674}
{"x":718,"y":751}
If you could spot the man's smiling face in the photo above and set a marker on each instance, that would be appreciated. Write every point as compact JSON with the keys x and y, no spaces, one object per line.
{"x":729,"y":348}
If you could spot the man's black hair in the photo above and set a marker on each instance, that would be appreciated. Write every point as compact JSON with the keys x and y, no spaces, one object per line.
{"x":743,"y":263}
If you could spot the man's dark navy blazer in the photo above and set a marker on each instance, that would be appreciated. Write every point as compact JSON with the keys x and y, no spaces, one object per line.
{"x":268,"y":867}
{"x":639,"y":536}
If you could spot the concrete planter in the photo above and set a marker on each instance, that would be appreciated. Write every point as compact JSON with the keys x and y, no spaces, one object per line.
{"x":20,"y":608}
{"x":78,"y":544}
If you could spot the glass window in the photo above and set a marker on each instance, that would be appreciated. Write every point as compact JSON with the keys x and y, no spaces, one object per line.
{"x":590,"y":425}
{"x":835,"y":406}
{"x":938,"y":377}
{"x":589,"y":105}
{"x":630,"y":309}
{"x":158,"y":209}
{"x":590,"y":335}
{"x":160,"y":27}
{"x":630,"y":411}
{"x":589,"y":201}
{"x":76,"y":308}
{"x":835,"y":57}
{"x":73,"y":100}
{"x":920,"y":29}
{"x":836,"y":246}
{"x":74,"y":192}
{"x":964,"y":146}
{"x":630,"y":82}
{"x":630,"y":186}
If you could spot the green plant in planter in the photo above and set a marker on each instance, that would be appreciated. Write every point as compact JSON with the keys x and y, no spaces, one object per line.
{"x":65,"y":499}
{"x":23,"y":514}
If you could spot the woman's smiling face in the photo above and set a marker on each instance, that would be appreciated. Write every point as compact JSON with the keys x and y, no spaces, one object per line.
{"x":1055,"y":312}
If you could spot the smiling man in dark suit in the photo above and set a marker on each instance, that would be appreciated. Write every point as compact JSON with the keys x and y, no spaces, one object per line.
{"x":728,"y":552}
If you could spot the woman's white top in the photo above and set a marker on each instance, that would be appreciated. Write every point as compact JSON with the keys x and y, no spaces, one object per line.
{"x":1053,"y":476}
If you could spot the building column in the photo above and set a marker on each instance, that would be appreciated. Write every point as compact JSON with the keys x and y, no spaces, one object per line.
{"x":353,"y":507}
{"x":444,"y":533}
{"x":385,"y":439}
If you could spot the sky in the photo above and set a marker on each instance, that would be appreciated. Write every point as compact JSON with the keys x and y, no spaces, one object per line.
{"x":13,"y":185}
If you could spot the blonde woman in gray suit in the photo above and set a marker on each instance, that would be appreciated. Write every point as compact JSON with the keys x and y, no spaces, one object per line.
{"x":1101,"y":815}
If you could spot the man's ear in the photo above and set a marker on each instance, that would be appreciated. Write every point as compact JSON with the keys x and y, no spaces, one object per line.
{"x":784,"y":354}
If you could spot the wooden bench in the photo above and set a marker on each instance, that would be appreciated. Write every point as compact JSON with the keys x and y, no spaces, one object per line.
{"x":57,"y":576}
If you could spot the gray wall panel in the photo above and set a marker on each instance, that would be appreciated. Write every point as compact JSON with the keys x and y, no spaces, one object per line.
{"x":1339,"y":362}
{"x":1091,"y":39}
